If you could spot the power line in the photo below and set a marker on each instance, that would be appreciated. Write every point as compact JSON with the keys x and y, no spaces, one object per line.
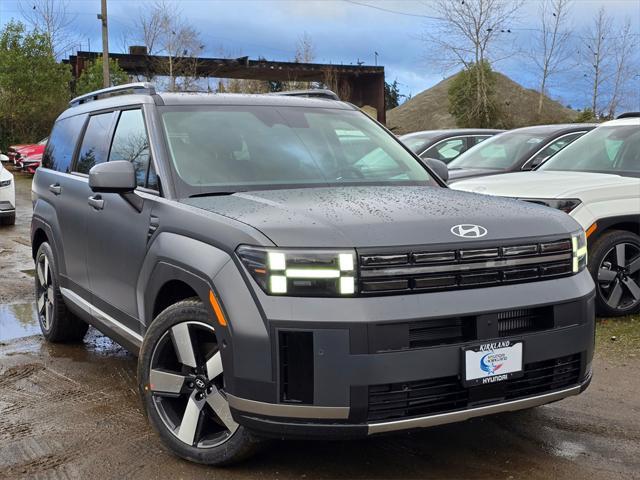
{"x":389,"y":10}
{"x":430,"y":17}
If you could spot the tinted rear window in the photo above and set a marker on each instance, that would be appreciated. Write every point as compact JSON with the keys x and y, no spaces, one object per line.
{"x":62,"y":143}
{"x":95,"y":142}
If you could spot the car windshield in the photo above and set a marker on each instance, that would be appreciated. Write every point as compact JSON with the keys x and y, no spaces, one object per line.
{"x":231,"y":148}
{"x":607,"y":149}
{"x":417,"y":143}
{"x":500,"y":152}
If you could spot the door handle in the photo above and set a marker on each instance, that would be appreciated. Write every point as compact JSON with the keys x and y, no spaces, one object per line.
{"x":55,"y":188}
{"x":96,"y":202}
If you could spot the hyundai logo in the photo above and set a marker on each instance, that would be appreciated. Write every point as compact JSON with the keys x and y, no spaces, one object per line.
{"x":467,"y":230}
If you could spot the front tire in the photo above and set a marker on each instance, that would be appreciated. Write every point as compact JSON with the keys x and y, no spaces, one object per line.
{"x":57,"y":323}
{"x":8,"y":220}
{"x":614,"y":263}
{"x":181,"y":383}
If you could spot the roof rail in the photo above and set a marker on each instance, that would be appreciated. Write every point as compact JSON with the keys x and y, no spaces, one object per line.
{"x":127,"y":88}
{"x":628,"y":115}
{"x":312,"y":93}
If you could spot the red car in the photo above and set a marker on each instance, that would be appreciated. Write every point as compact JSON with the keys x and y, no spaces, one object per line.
{"x":30,"y":163}
{"x":18,"y":151}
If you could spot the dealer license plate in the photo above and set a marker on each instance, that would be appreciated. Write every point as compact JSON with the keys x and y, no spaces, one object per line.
{"x":492,"y":362}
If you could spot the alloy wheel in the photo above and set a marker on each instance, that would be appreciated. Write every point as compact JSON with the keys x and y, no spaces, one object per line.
{"x":44,"y":291}
{"x":186,"y":382}
{"x":619,"y":276}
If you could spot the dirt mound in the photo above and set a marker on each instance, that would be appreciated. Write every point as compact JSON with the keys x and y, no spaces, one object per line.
{"x":429,"y":110}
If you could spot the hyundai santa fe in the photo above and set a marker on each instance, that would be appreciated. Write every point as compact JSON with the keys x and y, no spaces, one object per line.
{"x":278,"y":279}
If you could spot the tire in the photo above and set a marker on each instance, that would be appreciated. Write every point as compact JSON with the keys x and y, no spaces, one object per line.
{"x":8,"y":220}
{"x":614,"y":264}
{"x":187,"y":406}
{"x":57,"y":323}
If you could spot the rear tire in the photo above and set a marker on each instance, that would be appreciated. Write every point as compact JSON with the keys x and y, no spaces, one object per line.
{"x":614,"y":264}
{"x":57,"y":323}
{"x":181,"y":384}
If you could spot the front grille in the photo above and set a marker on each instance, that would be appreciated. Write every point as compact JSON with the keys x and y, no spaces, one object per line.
{"x":446,"y":394}
{"x":418,"y":270}
{"x":440,"y":332}
{"x":524,"y":320}
{"x":444,"y":331}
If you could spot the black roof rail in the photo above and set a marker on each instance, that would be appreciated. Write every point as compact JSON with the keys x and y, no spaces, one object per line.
{"x":312,"y":93}
{"x":628,"y":115}
{"x":128,"y":88}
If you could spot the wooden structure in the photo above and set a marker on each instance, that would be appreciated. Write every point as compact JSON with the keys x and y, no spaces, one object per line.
{"x":361,"y":85}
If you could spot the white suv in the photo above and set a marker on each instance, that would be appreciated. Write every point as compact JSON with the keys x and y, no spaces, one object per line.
{"x":596,"y":180}
{"x":7,"y":197}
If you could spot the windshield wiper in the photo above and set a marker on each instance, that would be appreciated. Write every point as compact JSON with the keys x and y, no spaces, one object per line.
{"x":211,"y":194}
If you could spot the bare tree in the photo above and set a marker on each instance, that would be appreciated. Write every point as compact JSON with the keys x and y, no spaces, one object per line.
{"x":551,"y":47}
{"x":305,"y":50}
{"x":50,"y":17}
{"x":623,"y":68}
{"x":165,"y":32}
{"x":468,"y":34}
{"x":305,"y":53}
{"x":470,"y":31}
{"x":596,"y":57}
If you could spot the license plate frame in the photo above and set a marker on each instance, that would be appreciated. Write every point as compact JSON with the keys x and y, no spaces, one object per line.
{"x":491,"y":362}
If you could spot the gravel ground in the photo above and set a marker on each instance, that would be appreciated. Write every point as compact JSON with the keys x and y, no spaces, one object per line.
{"x":72,"y":411}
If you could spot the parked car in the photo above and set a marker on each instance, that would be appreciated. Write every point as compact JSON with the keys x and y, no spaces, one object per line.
{"x":272,"y":284}
{"x":597,"y":181}
{"x":445,"y":145}
{"x":29,"y":163}
{"x":515,"y":150}
{"x":4,"y":158}
{"x":16,"y":152}
{"x":7,"y":197}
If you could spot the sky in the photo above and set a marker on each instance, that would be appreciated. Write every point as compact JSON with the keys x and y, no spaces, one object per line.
{"x":342,"y":31}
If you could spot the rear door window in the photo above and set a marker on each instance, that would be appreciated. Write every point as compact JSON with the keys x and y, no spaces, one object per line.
{"x":131,"y":144}
{"x":446,"y":150}
{"x":62,"y":143}
{"x":95,"y":142}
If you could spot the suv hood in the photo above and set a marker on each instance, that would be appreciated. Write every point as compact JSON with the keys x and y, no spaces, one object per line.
{"x":457,"y":174}
{"x":554,"y":184}
{"x":381,"y":216}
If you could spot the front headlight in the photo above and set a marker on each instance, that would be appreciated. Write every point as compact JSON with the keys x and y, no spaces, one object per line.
{"x":579,"y":248}
{"x":301,"y":272}
{"x":565,"y":204}
{"x":5,"y":183}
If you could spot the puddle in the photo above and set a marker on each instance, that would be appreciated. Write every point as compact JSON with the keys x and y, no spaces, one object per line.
{"x":18,"y":320}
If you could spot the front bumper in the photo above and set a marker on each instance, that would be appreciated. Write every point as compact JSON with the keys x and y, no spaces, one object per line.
{"x":6,"y":208}
{"x":359,"y":374}
{"x":279,"y":427}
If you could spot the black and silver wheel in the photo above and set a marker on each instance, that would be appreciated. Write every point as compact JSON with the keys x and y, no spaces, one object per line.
{"x":615,"y":266}
{"x":182,"y":385}
{"x":56,"y":322}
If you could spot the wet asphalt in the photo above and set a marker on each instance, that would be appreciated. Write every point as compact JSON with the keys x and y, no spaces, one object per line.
{"x":72,"y":411}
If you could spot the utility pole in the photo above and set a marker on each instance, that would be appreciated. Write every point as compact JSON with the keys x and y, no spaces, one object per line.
{"x":106,"y":78}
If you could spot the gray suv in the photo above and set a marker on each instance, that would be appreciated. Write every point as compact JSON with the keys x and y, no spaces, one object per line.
{"x":283,"y":266}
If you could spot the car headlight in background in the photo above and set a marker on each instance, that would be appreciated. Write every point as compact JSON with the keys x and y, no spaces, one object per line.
{"x":301,"y":272}
{"x":579,"y":249}
{"x":5,"y":183}
{"x":564,"y":204}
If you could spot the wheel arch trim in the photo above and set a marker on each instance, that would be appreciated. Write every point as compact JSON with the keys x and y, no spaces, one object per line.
{"x":607,"y":224}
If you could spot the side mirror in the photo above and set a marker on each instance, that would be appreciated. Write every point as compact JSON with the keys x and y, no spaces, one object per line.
{"x":439,"y":167}
{"x":113,"y":177}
